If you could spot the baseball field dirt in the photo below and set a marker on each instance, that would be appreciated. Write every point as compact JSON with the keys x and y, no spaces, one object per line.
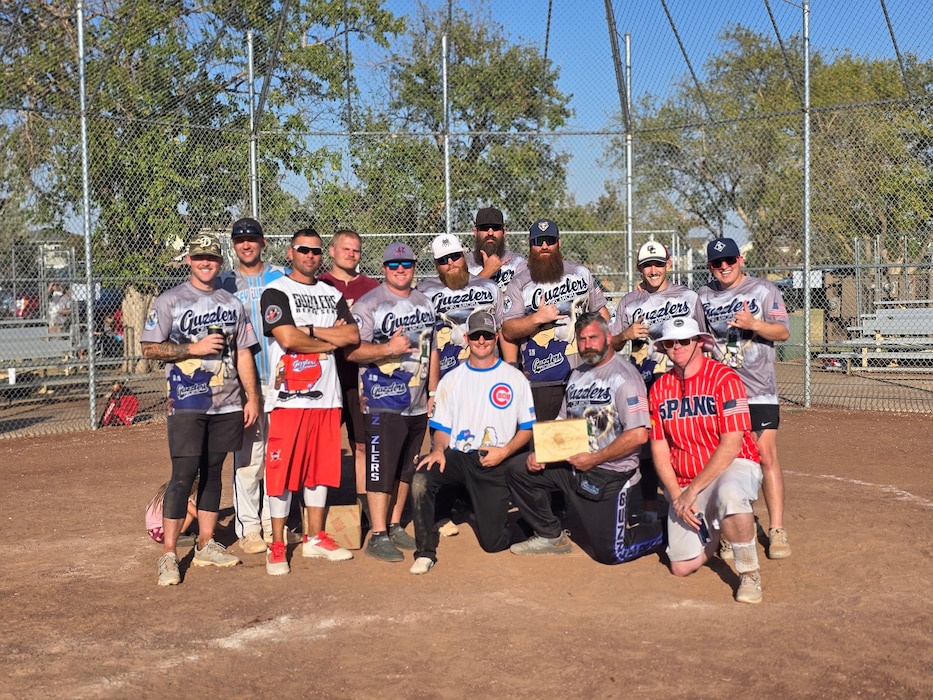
{"x":847,"y":615}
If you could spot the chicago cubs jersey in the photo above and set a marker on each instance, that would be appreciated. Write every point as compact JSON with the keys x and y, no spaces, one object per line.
{"x":612,"y":398}
{"x":747,"y":353}
{"x":395,"y":385}
{"x":551,"y":353}
{"x":692,"y":414}
{"x":513,"y":264}
{"x":302,"y":379}
{"x":482,"y":407}
{"x":452,"y":308}
{"x":248,"y":289}
{"x":653,"y":309}
{"x":201,"y":384}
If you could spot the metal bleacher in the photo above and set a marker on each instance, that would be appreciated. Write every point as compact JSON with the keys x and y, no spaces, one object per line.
{"x":897,"y":337}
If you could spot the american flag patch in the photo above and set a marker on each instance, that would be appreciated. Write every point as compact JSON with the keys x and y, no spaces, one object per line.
{"x":637,"y":403}
{"x":733,"y":407}
{"x":778,"y":310}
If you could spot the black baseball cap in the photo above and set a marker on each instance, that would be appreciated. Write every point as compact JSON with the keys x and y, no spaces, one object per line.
{"x":246,"y":228}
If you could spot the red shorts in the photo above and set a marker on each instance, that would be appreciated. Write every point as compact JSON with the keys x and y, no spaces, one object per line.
{"x":303,"y":449}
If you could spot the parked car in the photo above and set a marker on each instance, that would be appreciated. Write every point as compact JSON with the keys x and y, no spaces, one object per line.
{"x":27,"y":305}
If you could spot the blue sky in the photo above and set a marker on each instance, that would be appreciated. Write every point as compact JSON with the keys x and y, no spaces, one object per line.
{"x":579,"y":44}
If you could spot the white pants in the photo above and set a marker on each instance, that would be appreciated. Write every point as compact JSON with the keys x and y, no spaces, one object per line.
{"x":249,"y":497}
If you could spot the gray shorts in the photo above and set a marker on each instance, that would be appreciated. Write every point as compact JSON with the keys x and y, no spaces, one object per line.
{"x":734,"y":491}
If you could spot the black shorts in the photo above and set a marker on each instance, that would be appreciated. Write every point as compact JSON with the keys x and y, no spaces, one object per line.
{"x":393,"y":442}
{"x":548,"y":400}
{"x":193,"y":434}
{"x":765,"y":416}
{"x":352,"y":415}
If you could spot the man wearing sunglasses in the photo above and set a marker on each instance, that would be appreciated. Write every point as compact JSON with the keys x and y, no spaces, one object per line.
{"x":394,"y":355}
{"x":600,"y":487}
{"x":247,"y":282}
{"x":747,"y":316}
{"x":482,"y":419}
{"x":705,"y":456}
{"x":490,"y":258}
{"x":455,"y":294}
{"x":638,"y":319}
{"x":345,"y":250}
{"x":541,"y":306}
{"x":308,"y":321}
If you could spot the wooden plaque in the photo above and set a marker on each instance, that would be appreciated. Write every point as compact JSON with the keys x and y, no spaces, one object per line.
{"x":556,"y":440}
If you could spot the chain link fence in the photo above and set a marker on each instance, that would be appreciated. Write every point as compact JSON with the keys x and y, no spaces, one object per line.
{"x":352,"y":115}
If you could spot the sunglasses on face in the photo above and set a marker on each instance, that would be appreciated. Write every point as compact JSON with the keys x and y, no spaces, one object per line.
{"x":668,"y":344}
{"x":485,"y":335}
{"x":730,"y":260}
{"x":308,"y":249}
{"x":452,"y":257}
{"x":489,"y":227}
{"x":541,"y":240}
{"x":404,"y":264}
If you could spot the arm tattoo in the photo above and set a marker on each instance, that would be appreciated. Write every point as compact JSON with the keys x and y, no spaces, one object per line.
{"x":166,"y":351}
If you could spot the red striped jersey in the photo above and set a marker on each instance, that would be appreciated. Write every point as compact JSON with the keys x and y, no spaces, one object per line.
{"x":692,"y":414}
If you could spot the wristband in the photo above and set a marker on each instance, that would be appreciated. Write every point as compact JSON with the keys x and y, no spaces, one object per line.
{"x":311,"y":330}
{"x":432,"y":393}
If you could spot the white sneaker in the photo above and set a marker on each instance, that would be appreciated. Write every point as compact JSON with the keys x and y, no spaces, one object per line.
{"x":422,"y":565}
{"x":749,"y":588}
{"x":276,"y":560}
{"x":252,"y":543}
{"x":324,"y":547}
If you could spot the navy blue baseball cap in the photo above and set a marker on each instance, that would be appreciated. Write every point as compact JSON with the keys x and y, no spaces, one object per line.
{"x":722,"y":248}
{"x":543,"y":227}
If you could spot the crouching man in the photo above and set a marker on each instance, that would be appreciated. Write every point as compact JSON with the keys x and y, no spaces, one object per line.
{"x":483,"y":413}
{"x":705,"y":455}
{"x":600,"y":486}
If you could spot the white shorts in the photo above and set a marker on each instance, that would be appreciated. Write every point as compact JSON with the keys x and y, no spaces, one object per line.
{"x":734,"y":491}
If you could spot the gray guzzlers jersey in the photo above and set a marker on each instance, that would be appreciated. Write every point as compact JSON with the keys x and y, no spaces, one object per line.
{"x":397,"y":385}
{"x":747,"y":353}
{"x":515,"y":264}
{"x":550,"y":354}
{"x":209,"y":384}
{"x":452,"y":308}
{"x":654,"y":308}
{"x":613,"y":399}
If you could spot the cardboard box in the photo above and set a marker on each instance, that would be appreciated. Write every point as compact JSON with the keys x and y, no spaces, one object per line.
{"x":343,"y":524}
{"x":556,"y":440}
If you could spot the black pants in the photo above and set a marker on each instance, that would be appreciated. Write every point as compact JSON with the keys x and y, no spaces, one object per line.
{"x":611,"y":530}
{"x":488,"y":491}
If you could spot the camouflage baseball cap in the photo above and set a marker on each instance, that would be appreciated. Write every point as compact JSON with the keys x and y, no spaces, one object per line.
{"x":205,"y":244}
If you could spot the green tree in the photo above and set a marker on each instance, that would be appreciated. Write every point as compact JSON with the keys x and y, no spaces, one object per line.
{"x":168,"y":127}
{"x":503,"y":99}
{"x":731,"y":154}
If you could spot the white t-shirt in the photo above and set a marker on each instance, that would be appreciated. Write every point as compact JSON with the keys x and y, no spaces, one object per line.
{"x":482,"y":407}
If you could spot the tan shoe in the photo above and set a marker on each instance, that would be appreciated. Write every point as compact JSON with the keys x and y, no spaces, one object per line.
{"x":252,"y":543}
{"x":778,"y":544}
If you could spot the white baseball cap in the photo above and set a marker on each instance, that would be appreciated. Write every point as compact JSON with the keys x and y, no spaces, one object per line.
{"x":445,"y":244}
{"x":652,"y":251}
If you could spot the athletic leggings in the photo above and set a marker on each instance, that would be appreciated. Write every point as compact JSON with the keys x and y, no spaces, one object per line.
{"x":208,"y":468}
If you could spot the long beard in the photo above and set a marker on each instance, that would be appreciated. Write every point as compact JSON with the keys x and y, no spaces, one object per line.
{"x":594,"y":357}
{"x":456,"y":279}
{"x":545,"y":269}
{"x":490,"y":247}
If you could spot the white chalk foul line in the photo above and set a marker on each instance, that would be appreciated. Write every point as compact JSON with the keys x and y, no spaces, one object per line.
{"x":884,"y":488}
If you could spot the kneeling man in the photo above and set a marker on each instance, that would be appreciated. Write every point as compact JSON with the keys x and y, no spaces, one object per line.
{"x":600,"y":486}
{"x":705,"y":455}
{"x":482,"y":417}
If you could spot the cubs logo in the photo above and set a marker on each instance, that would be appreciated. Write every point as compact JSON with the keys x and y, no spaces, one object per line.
{"x":273,"y":314}
{"x":501,"y":396}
